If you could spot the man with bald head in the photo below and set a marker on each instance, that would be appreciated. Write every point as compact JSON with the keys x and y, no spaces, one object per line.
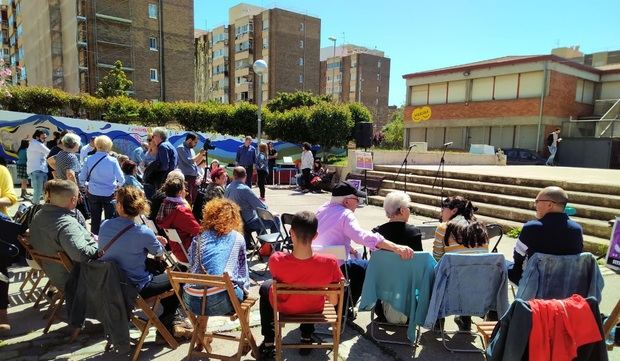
{"x":552,"y":233}
{"x":55,"y":229}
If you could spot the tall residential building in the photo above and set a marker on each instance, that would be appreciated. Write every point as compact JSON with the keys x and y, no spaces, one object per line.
{"x":352,"y":73}
{"x":12,"y":50}
{"x":72,"y":44}
{"x":287,"y":41}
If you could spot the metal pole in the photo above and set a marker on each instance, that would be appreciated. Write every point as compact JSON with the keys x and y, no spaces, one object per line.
{"x":334,"y":68}
{"x":259,"y":100}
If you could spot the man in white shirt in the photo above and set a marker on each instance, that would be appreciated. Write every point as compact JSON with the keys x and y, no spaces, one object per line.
{"x":307,"y":161}
{"x":36,"y":165}
{"x":87,"y":149}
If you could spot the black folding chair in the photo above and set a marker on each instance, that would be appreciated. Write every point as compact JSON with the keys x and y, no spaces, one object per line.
{"x":495,"y":230}
{"x":287,"y":220}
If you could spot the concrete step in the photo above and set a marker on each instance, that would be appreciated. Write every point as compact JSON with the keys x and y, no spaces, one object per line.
{"x":568,"y":185}
{"x":583,"y":210}
{"x":596,"y":245}
{"x":590,"y":226}
{"x":505,"y":188}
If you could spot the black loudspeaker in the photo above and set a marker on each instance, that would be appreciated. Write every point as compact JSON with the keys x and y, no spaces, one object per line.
{"x":363,"y":134}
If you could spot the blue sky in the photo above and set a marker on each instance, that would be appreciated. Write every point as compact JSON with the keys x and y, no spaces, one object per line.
{"x":423,"y":35}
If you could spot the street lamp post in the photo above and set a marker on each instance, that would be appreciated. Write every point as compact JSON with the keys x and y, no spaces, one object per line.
{"x":260,"y":67}
{"x":333,"y":39}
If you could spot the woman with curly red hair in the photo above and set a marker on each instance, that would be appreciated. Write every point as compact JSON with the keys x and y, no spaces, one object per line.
{"x":219,"y":248}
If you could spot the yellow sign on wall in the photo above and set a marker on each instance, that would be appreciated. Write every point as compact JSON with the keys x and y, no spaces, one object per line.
{"x":420,"y":114}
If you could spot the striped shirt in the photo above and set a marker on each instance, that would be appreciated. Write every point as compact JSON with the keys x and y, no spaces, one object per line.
{"x":440,"y":248}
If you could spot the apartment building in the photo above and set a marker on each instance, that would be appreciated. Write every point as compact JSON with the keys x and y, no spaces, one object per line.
{"x":352,"y":73}
{"x":287,"y":41}
{"x":12,"y":52}
{"x":508,"y":102}
{"x":72,"y":44}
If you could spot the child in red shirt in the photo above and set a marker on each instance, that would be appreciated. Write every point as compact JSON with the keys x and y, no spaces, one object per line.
{"x":300,"y":267}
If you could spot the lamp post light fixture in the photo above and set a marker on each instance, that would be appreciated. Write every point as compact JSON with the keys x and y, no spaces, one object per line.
{"x":333,"y":39}
{"x":260,"y":68}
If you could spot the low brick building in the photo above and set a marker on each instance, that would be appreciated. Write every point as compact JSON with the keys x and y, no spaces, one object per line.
{"x":507,"y":102}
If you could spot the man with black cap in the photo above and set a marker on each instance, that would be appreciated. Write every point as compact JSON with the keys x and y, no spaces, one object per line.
{"x":338,"y":227}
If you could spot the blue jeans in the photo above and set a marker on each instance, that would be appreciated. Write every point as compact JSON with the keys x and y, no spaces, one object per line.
{"x":217,"y":305}
{"x":552,"y":150}
{"x":38,"y":179}
{"x":97,"y":204}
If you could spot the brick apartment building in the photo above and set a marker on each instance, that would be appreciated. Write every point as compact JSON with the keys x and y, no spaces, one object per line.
{"x":287,"y":41}
{"x":513,"y":101}
{"x":352,"y":73}
{"x":72,"y":44}
{"x":12,"y":52}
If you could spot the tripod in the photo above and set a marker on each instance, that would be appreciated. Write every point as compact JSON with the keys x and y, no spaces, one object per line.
{"x":441,"y":169}
{"x":404,"y":165}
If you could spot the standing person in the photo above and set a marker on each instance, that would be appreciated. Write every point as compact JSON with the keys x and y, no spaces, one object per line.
{"x":87,"y":149}
{"x":54,"y":142}
{"x":22,"y":172}
{"x":101,"y":175}
{"x":272,"y":155}
{"x":188,"y":163}
{"x":553,"y":139}
{"x":53,"y":151}
{"x":246,"y":157}
{"x":66,"y":163}
{"x":36,"y":165}
{"x":262,"y":169}
{"x":7,"y":199}
{"x":307,"y":160}
{"x":167,"y":158}
{"x":137,"y":155}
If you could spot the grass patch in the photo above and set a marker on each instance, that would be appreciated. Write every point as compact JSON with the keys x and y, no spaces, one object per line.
{"x":337,"y":160}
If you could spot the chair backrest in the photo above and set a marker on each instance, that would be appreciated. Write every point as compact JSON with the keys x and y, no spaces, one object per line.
{"x":150,"y":224}
{"x":557,"y":277}
{"x":340,"y":252}
{"x":177,"y":279}
{"x":331,"y":289}
{"x":24,"y":241}
{"x":495,"y":230}
{"x":60,"y":258}
{"x":287,"y":220}
{"x":264,"y":215}
{"x":173,"y":236}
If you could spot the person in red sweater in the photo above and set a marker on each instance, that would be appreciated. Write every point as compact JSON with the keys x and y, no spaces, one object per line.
{"x":301,"y":267}
{"x":175,"y":213}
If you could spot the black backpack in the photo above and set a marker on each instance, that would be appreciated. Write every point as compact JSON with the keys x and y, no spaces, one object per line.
{"x":550,"y":139}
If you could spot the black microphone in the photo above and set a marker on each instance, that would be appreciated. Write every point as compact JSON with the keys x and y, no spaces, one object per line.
{"x":411,"y":146}
{"x":448,"y":144}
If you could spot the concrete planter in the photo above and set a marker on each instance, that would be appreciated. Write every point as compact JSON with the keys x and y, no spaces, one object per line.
{"x":391,"y":157}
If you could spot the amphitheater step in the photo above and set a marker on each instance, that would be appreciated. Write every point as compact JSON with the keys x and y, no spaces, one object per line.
{"x":594,"y":244}
{"x":583,"y":210}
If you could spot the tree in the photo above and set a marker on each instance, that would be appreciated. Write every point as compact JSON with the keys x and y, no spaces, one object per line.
{"x":115,"y":83}
{"x":393,"y":132}
{"x":285,"y":101}
{"x":330,"y":125}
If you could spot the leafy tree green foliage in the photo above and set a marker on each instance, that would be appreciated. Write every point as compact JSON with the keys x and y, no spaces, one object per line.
{"x":115,"y":83}
{"x":393,"y":132}
{"x":285,"y":101}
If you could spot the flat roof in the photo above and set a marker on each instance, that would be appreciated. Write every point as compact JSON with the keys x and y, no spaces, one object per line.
{"x":503,"y":61}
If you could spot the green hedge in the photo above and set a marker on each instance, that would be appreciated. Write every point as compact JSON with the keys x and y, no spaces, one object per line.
{"x":294,"y":117}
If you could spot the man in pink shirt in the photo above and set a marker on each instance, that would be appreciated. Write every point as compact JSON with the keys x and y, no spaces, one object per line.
{"x":338,"y":226}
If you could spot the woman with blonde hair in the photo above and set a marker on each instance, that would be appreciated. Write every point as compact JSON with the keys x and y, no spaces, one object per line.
{"x":219,"y":248}
{"x":101,"y":175}
{"x":262,"y":169}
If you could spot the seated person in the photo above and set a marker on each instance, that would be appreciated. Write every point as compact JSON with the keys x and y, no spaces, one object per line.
{"x":130,"y":170}
{"x":461,"y":233}
{"x":397,"y":230}
{"x":238,"y":192}
{"x":55,"y":228}
{"x":215,"y":189}
{"x":301,"y":267}
{"x":219,"y":248}
{"x":133,"y":243}
{"x":159,"y":195}
{"x":552,"y":233}
{"x":174,"y":213}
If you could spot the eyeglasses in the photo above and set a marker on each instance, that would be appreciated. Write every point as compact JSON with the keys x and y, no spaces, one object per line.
{"x":544,"y":200}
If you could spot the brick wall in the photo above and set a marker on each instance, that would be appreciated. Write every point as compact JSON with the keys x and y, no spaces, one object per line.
{"x":560,"y":102}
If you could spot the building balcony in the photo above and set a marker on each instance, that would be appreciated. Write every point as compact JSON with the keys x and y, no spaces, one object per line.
{"x":111,"y":66}
{"x":243,"y":71}
{"x":112,"y":18}
{"x":81,"y":19}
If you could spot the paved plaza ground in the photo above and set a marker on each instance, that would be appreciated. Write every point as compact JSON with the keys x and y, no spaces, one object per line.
{"x":28,"y":342}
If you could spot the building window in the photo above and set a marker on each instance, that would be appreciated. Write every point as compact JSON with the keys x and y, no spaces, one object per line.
{"x":301,"y":44}
{"x":377,"y":89}
{"x":378,"y":76}
{"x":301,"y":27}
{"x":153,"y":11}
{"x":154,"y":75}
{"x":301,"y":78}
{"x":379,"y":64}
{"x":153,"y":43}
{"x":301,"y":61}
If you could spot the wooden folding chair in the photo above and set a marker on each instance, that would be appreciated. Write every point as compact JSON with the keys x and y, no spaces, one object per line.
{"x":59,"y":298}
{"x":201,"y":338}
{"x":34,"y":275}
{"x":144,"y":326}
{"x":173,"y":236}
{"x":328,"y":316}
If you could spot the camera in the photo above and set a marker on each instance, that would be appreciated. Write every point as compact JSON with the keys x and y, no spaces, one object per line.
{"x":207,"y":145}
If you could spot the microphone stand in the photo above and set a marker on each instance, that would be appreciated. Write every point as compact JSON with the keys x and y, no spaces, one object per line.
{"x":440,"y":171}
{"x":403,"y":165}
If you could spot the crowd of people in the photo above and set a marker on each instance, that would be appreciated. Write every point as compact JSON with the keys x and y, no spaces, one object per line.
{"x":215,"y":224}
